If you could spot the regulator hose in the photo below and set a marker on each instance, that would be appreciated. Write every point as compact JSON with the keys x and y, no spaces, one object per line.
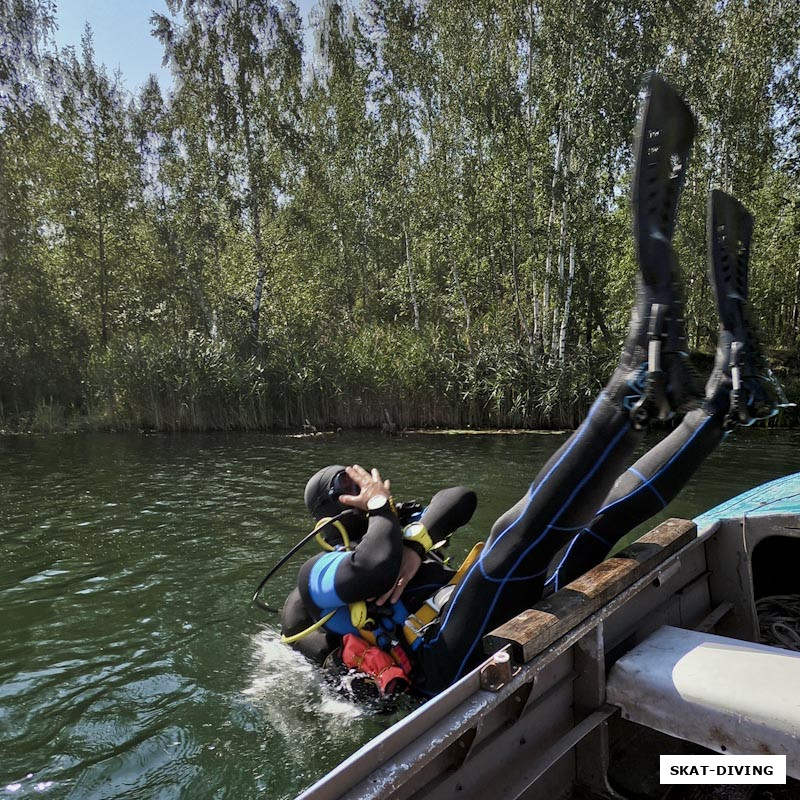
{"x":257,"y":601}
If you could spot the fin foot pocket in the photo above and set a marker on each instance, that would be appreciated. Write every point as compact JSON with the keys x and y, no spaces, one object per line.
{"x":741,"y":368}
{"x":671,"y":383}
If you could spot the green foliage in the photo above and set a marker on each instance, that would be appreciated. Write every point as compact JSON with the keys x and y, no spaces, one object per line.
{"x":426,"y":223}
{"x":192,"y":384}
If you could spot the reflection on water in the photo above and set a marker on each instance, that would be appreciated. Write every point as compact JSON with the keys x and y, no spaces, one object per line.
{"x":130,"y":662}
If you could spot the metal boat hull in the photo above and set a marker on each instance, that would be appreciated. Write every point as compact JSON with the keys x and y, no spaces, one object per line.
{"x":539,"y":725}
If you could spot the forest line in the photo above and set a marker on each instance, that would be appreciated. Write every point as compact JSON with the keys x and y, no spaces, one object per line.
{"x":424,"y":222}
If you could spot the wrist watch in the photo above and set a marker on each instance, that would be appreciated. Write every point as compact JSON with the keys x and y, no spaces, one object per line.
{"x":416,"y":532}
{"x":376,"y":503}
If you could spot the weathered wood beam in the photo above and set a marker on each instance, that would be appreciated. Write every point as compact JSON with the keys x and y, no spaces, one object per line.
{"x":530,"y":632}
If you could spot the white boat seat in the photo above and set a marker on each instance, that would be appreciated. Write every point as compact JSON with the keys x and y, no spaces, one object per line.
{"x":727,"y":695}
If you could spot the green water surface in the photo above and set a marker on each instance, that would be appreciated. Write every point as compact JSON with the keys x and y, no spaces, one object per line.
{"x":131,"y":663}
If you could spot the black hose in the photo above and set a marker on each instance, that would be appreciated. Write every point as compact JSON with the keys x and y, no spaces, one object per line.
{"x":265,"y":606}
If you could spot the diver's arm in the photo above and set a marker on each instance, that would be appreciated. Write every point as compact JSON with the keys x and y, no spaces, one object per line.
{"x":371,"y":569}
{"x":448,"y":510}
{"x":342,"y":577}
{"x":409,"y":565}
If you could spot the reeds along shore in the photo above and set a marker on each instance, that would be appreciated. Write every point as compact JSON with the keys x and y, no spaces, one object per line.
{"x":206,"y":386}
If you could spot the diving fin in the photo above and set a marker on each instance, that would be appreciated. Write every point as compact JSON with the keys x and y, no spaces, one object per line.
{"x":656,"y":350}
{"x":729,"y":227}
{"x":664,"y":136}
{"x":741,"y":365}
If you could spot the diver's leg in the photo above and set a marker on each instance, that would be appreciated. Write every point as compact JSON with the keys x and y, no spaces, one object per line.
{"x":641,"y":491}
{"x":653,"y":481}
{"x":562,"y":500}
{"x":653,"y":378}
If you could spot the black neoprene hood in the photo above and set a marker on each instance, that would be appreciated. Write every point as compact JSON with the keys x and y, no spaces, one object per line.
{"x":316,"y":495}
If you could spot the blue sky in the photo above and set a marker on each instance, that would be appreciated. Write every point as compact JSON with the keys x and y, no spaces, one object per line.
{"x":122,"y":35}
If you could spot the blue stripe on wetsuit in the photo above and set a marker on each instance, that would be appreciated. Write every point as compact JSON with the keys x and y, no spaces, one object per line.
{"x":322,"y":580}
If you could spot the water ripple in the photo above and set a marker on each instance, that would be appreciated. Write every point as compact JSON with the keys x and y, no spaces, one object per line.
{"x":130,"y":663}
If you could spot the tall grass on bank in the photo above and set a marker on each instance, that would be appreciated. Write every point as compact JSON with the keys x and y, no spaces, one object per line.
{"x":377,"y":376}
{"x":372,"y":378}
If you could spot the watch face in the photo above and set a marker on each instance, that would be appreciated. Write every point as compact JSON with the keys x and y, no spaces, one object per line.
{"x":377,"y":502}
{"x":414,"y":528}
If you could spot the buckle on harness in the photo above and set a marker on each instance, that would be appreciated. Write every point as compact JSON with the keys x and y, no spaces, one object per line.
{"x":428,"y":614}
{"x":738,"y":413}
{"x":416,"y":626}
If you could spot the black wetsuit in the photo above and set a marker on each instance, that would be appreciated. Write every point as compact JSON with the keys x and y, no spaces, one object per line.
{"x":576,"y":498}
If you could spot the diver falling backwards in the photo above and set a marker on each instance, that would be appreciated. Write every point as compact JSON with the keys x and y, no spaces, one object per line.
{"x":380,"y":602}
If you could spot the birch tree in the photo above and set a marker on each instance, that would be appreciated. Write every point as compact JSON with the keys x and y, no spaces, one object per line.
{"x":242,"y":59}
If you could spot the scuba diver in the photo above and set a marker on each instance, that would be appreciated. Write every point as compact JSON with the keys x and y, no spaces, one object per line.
{"x":394,"y":566}
{"x":379,"y":601}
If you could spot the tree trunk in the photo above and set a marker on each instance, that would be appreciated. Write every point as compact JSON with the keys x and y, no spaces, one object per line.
{"x":254,"y":206}
{"x":514,"y":273}
{"x":101,"y":247}
{"x":562,"y":344}
{"x":460,"y":290}
{"x":255,"y":316}
{"x":411,"y":285}
{"x":5,"y":233}
{"x":209,"y":316}
{"x":548,"y":262}
{"x":796,"y":307}
{"x":562,"y":253}
{"x":531,"y":206}
{"x":346,"y":263}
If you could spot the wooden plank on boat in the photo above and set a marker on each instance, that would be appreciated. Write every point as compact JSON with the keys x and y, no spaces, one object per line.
{"x":530,"y":632}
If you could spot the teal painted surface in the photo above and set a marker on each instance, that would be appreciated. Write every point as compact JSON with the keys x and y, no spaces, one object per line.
{"x":780,"y":496}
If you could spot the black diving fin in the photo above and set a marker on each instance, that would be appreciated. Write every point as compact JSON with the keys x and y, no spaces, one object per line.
{"x":755,"y":393}
{"x":664,"y":135}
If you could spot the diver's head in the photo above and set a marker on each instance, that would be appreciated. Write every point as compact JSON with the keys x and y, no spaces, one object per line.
{"x":324,"y":489}
{"x":322,"y":500}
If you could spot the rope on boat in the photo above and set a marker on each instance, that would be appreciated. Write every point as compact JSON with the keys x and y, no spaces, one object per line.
{"x":779,"y":620}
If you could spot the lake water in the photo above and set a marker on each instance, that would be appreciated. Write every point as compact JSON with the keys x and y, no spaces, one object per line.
{"x":131,"y":663}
